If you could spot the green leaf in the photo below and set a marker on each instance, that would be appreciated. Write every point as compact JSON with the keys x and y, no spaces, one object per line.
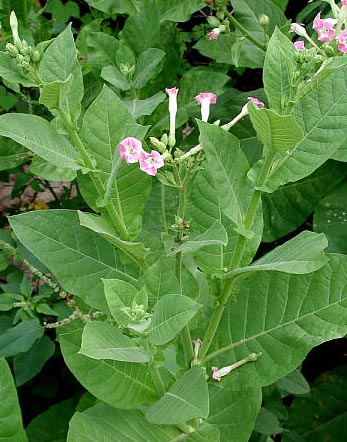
{"x":214,"y":235}
{"x":282,"y":316}
{"x":11,"y":427}
{"x":139,"y":108}
{"x":52,"y":425}
{"x":294,"y":383}
{"x":322,"y":115}
{"x":29,"y":364}
{"x":54,"y":94}
{"x":105,"y":124}
{"x":302,"y":254}
{"x":101,"y":51}
{"x":322,"y":416}
{"x":276,"y":132}
{"x":58,"y":63}
{"x":147,"y":66}
{"x":234,"y":412}
{"x":186,"y":399}
{"x":330,"y":218}
{"x":20,"y":338}
{"x":49,"y":172}
{"x":56,"y":238}
{"x":267,"y":423}
{"x":102,"y":340}
{"x":170,"y":314}
{"x":121,"y":7}
{"x":104,"y":422}
{"x":178,"y":10}
{"x":119,"y":295}
{"x":112,"y":75}
{"x":9,"y":71}
{"x":119,"y":384}
{"x":278,"y":71}
{"x":228,"y":168}
{"x":38,"y":135}
{"x":11,"y":154}
{"x":289,"y":207}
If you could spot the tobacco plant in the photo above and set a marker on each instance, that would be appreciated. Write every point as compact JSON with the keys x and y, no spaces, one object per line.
{"x":181,"y":319}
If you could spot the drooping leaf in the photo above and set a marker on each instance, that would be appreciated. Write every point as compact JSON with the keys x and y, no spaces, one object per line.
{"x":11,"y":426}
{"x":282,"y":316}
{"x":38,"y":135}
{"x":77,"y":256}
{"x":102,"y":340}
{"x":170,"y":314}
{"x":302,"y":254}
{"x":120,"y":384}
{"x":58,"y":63}
{"x":20,"y":338}
{"x":102,"y":421}
{"x":186,"y":399}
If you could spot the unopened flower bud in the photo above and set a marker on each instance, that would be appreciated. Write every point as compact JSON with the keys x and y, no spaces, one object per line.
{"x":298,"y":29}
{"x":264,"y":20}
{"x":36,"y":56}
{"x":164,"y":139}
{"x":25,"y":49}
{"x":160,"y":147}
{"x":14,"y":27}
{"x":12,"y":50}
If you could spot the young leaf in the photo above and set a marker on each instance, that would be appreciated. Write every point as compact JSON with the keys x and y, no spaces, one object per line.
{"x":278,"y":71}
{"x":102,"y":340}
{"x":228,"y":167}
{"x":115,"y":77}
{"x":20,"y":338}
{"x":138,"y":108}
{"x":107,"y":423}
{"x":147,"y":66}
{"x":282,"y":316}
{"x":277,"y":133}
{"x":170,"y":314}
{"x":38,"y":135}
{"x":119,"y":384}
{"x":11,"y":427}
{"x":77,"y":256}
{"x":54,"y":95}
{"x":101,"y":51}
{"x":186,"y":399}
{"x":300,"y":255}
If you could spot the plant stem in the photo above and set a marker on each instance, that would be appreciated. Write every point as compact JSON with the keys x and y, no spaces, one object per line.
{"x":244,"y":31}
{"x":158,"y":382}
{"x":236,"y":260}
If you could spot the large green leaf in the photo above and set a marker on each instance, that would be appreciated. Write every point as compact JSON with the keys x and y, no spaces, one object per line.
{"x":49,"y":171}
{"x":119,"y":384}
{"x":278,"y":71}
{"x":234,"y":412}
{"x":281,"y":316}
{"x":102,"y":340}
{"x":101,"y":51}
{"x":228,"y":167}
{"x":54,"y":94}
{"x":38,"y":135}
{"x":302,"y":254}
{"x":11,"y":154}
{"x":115,"y":77}
{"x":289,"y":207}
{"x":102,"y":422}
{"x":58,"y":63}
{"x":120,"y":7}
{"x":77,"y":256}
{"x":322,"y":115}
{"x":178,"y":10}
{"x":330,"y":217}
{"x":11,"y":427}
{"x":20,"y":338}
{"x":105,"y":124}
{"x":138,"y":108}
{"x":186,"y":399}
{"x":277,"y":133}
{"x":147,"y":66}
{"x":170,"y":314}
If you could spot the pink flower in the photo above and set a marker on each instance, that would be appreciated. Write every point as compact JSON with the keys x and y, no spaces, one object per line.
{"x":205,"y":99}
{"x":324,"y":28}
{"x":299,"y":45}
{"x":257,"y":102}
{"x":213,"y":35}
{"x":172,"y":93}
{"x":150,"y":162}
{"x":130,"y":149}
{"x":342,"y":39}
{"x":215,"y":374}
{"x":344,"y":2}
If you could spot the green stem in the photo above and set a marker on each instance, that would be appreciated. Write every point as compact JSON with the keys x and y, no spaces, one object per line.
{"x":158,"y":382}
{"x":244,"y":31}
{"x":236,"y":260}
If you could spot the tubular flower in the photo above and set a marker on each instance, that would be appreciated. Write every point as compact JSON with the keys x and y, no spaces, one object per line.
{"x":324,"y":28}
{"x":344,"y":2}
{"x":213,"y":35}
{"x":172,"y":94}
{"x":342,"y":41}
{"x":150,"y":162}
{"x":130,"y":149}
{"x":299,"y":45}
{"x":257,"y":102}
{"x":205,"y":99}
